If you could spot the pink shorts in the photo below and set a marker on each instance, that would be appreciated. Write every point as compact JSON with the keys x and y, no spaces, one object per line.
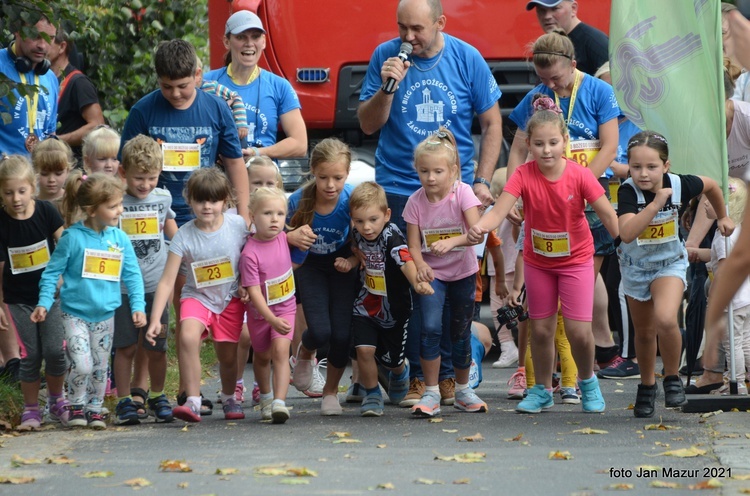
{"x":572,"y":285}
{"x":224,"y":327}
{"x":261,"y":332}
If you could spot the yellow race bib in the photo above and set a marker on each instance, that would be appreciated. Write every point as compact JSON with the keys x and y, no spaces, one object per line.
{"x":280,"y":289}
{"x":583,"y":151}
{"x":375,"y":282}
{"x":550,"y":244}
{"x":614,"y":187}
{"x":102,"y":265}
{"x":140,"y":225}
{"x":659,"y":231}
{"x":212,"y":272}
{"x":181,"y":157}
{"x":429,"y":236}
{"x":28,"y":258}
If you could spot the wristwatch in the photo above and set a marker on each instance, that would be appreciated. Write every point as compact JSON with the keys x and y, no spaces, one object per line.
{"x":481,"y":180}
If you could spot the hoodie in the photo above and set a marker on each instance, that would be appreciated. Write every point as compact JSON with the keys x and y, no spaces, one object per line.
{"x":93,"y":300}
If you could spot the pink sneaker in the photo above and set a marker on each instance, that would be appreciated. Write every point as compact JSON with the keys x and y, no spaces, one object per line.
{"x":239,"y":392}
{"x":256,"y":394}
{"x":187,"y":412}
{"x":517,"y":385}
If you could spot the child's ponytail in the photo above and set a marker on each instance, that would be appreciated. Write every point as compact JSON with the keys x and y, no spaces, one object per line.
{"x":86,"y":192}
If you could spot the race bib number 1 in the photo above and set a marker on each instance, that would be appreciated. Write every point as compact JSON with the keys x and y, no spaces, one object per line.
{"x":280,"y":289}
{"x":140,"y":225}
{"x":181,"y":157}
{"x":212,"y":272}
{"x":101,"y":264}
{"x":29,"y":258}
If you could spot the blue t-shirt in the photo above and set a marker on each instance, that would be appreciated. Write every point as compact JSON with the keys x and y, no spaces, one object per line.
{"x":13,"y":136}
{"x":595,"y":105}
{"x":448,"y":94}
{"x":627,"y":131}
{"x":208,"y":121}
{"x":332,"y":229}
{"x":266,"y":100}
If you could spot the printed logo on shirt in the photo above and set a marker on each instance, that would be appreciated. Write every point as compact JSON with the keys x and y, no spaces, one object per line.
{"x":434,"y":102}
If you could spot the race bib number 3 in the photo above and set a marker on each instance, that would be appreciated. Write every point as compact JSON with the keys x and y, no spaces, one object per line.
{"x":550,"y":244}
{"x":280,"y":289}
{"x":101,"y":264}
{"x":213,"y":272}
{"x":181,"y":157}
{"x":584,"y":151}
{"x":375,"y":282}
{"x":659,"y":231}
{"x":429,"y":236}
{"x":140,"y":225}
{"x":29,"y":258}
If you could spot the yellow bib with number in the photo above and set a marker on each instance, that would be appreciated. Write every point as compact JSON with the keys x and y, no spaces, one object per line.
{"x":29,"y":258}
{"x":429,"y":236}
{"x":140,"y":225}
{"x":280,"y":289}
{"x":101,"y":264}
{"x":659,"y":231}
{"x":550,"y":244}
{"x":212,"y":272}
{"x":375,"y":282}
{"x":181,"y":157}
{"x":614,"y":187}
{"x":583,"y":151}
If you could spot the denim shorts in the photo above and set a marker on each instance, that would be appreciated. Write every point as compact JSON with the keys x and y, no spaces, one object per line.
{"x":603,"y":243}
{"x":637,"y":276}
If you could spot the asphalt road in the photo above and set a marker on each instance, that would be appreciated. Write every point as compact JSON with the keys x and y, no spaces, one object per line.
{"x":395,"y":450}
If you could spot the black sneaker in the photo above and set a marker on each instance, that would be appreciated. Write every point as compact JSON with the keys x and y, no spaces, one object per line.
{"x":621,"y":369}
{"x":645,"y":400}
{"x":160,"y":408}
{"x":77,"y":417}
{"x":674,"y":393}
{"x":126,"y":413}
{"x":95,"y":421}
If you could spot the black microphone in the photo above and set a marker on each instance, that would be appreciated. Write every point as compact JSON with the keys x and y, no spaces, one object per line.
{"x":390,"y":84}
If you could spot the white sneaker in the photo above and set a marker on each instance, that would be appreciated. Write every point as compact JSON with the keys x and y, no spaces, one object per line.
{"x":266,"y":409}
{"x":508,"y":356}
{"x":318,"y":381}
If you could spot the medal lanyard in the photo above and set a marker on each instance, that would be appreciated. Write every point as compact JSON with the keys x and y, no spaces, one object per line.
{"x":31,"y":103}
{"x":572,"y":105}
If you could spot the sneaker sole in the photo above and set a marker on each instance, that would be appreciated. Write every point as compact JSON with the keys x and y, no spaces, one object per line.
{"x":134,"y":421}
{"x":312,"y":394}
{"x":164,"y":420}
{"x":187,"y":416}
{"x":613,"y":376}
{"x":595,"y":411}
{"x":425,"y":413}
{"x":571,"y":401}
{"x":77,"y":423}
{"x":279,"y":417}
{"x":97,"y":426}
{"x":471,"y":409}
{"x":527,"y":410}
{"x":372,"y":413}
{"x":409,"y":402}
{"x":496,"y":365}
{"x":234,"y":416}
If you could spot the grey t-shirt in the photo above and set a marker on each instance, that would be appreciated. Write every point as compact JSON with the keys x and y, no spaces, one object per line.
{"x":212,"y":260}
{"x":143,"y":222}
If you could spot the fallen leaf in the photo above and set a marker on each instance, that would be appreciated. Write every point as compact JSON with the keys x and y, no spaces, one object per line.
{"x":60,"y":460}
{"x":346,"y":440}
{"x":661,"y":427}
{"x":659,"y":443}
{"x":559,"y":455}
{"x":620,"y":487}
{"x":683,"y":453}
{"x":227,"y":471}
{"x":385,"y":485}
{"x":301,"y":472}
{"x":436,"y":420}
{"x":275,"y":470}
{"x":427,"y":482}
{"x":182,"y":485}
{"x":707,"y":484}
{"x":185,"y":429}
{"x":589,"y":430}
{"x":339,"y":435}
{"x":741,"y":477}
{"x":619,"y":391}
{"x":17,"y":461}
{"x":174,"y":466}
{"x":471,"y":457}
{"x":665,"y":484}
{"x":630,"y":407}
{"x":294,"y":481}
{"x":462,"y":481}
{"x":450,"y":431}
{"x":711,"y":414}
{"x":381,"y":445}
{"x":271,"y":471}
{"x":16,"y":480}
{"x":137,"y":482}
{"x":744,"y":491}
{"x":747,"y":435}
{"x":102,"y":474}
{"x":471,"y":439}
{"x":517,"y":438}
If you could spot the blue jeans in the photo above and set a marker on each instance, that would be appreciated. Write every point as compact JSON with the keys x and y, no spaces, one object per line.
{"x":457,"y":298}
{"x":414,"y":328}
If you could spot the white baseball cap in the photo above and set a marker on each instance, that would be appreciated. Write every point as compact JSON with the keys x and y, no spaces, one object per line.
{"x":241,"y":21}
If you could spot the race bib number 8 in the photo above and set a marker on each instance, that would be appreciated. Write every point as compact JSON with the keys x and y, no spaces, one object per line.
{"x":213,"y":272}
{"x":280,"y":289}
{"x":550,"y":244}
{"x":181,"y":157}
{"x":101,"y":264}
{"x":140,"y":225}
{"x":658,"y":232}
{"x":29,"y":258}
{"x":429,"y":236}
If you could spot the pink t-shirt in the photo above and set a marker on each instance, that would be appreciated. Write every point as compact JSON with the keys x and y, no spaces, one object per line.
{"x":268,"y":264}
{"x":553,"y":208}
{"x":443,"y":218}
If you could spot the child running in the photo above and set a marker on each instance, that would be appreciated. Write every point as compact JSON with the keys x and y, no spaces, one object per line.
{"x":266,"y":271}
{"x":653,"y":259}
{"x":383,"y":305}
{"x":326,"y":294}
{"x":437,"y":216}
{"x":53,"y":160}
{"x":99,"y":151}
{"x":93,"y":257}
{"x":209,"y":246}
{"x":147,"y":216}
{"x":558,"y":251}
{"x":29,"y":230}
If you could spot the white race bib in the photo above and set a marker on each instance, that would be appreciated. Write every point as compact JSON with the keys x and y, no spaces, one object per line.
{"x":102,"y":264}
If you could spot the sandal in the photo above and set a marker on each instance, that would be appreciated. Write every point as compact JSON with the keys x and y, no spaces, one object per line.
{"x":140,"y":405}
{"x":207,"y":406}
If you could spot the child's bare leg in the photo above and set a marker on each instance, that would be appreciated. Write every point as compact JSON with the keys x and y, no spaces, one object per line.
{"x":368,"y":368}
{"x":189,"y":356}
{"x":543,"y":344}
{"x":281,"y":369}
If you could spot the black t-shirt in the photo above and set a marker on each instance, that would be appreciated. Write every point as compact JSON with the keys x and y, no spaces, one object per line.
{"x":78,"y":93}
{"x":388,"y":253}
{"x":23,"y":287}
{"x":627,"y":202}
{"x":591,"y":46}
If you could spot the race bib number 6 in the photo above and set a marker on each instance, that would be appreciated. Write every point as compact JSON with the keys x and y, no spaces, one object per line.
{"x":101,"y":264}
{"x":212,"y":272}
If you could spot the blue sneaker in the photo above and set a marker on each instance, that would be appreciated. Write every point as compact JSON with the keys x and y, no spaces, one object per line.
{"x":160,"y":408}
{"x":355,"y":393}
{"x":468,"y":401}
{"x":372,"y":405}
{"x":398,"y":386}
{"x":428,"y":406}
{"x":536,"y":400}
{"x":591,"y":396}
{"x":126,"y":413}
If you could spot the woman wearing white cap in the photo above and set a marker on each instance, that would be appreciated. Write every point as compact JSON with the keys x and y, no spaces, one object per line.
{"x":269,"y":99}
